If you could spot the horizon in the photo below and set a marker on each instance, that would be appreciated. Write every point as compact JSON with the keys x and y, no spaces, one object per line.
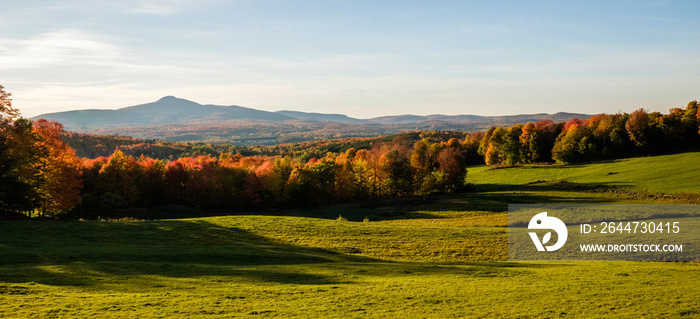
{"x":361,"y":59}
{"x":290,"y":110}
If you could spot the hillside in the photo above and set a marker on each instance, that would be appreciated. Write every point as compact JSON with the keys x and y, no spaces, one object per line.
{"x":675,"y":173}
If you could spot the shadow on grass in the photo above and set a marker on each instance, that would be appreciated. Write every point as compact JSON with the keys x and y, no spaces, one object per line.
{"x":141,"y":254}
{"x":67,"y":253}
{"x":487,"y":198}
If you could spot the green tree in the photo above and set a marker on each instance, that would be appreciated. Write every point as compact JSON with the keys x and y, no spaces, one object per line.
{"x":399,"y":181}
{"x":422,"y":167}
{"x":512,"y":148}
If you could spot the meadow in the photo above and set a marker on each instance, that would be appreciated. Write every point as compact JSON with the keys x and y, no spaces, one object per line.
{"x":675,"y":173}
{"x":440,"y":256}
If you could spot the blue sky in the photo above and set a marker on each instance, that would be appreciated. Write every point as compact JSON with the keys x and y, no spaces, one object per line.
{"x":360,"y":58}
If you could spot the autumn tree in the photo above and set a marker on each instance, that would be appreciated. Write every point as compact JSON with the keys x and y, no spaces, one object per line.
{"x":347,"y":184}
{"x":365,"y":177}
{"x":313,"y":183}
{"x":471,"y":149}
{"x":619,"y":138}
{"x":493,"y":155}
{"x":451,"y":169}
{"x":7,"y":113}
{"x":372,"y":159}
{"x":537,"y":141}
{"x":422,"y":167}
{"x":58,"y":169}
{"x":267,"y":183}
{"x":399,"y":180}
{"x":697,"y":114}
{"x":484,"y":143}
{"x":19,"y":155}
{"x":666,"y":132}
{"x":574,"y":144}
{"x":200,"y":188}
{"x":176,"y":180}
{"x":512,"y":148}
{"x":636,"y":126}
{"x":691,"y":122}
{"x":119,"y":176}
{"x":690,"y":114}
{"x":528,"y":132}
{"x":152,"y":187}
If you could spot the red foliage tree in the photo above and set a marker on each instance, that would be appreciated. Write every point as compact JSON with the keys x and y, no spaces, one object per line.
{"x":636,"y":126}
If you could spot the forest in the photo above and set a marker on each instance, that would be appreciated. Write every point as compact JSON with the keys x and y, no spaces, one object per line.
{"x":41,"y":175}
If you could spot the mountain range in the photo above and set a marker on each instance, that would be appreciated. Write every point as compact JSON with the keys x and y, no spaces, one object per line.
{"x":176,"y":119}
{"x":171,"y":110}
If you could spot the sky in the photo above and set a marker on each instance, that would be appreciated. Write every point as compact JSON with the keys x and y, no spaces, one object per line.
{"x":359,"y":58}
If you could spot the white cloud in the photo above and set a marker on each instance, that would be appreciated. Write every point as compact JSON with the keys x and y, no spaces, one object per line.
{"x":165,"y":7}
{"x":62,"y":47}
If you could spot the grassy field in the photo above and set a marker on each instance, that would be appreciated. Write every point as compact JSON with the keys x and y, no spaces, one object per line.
{"x":667,"y":174}
{"x":443,"y":256}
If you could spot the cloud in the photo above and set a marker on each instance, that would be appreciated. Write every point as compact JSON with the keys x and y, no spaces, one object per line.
{"x":60,"y":47}
{"x":165,"y":7}
{"x":162,"y":7}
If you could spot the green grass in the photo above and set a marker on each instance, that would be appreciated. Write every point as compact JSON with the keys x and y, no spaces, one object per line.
{"x":443,"y":256}
{"x":314,"y":268}
{"x":667,"y":173}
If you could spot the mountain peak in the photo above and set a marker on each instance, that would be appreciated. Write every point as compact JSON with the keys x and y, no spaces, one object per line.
{"x":168,"y":98}
{"x":168,"y":103}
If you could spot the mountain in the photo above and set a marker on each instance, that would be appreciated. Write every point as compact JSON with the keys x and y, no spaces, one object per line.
{"x":321,"y":117}
{"x":168,"y":110}
{"x":175,"y":119}
{"x":478,"y":119}
{"x":398,"y":119}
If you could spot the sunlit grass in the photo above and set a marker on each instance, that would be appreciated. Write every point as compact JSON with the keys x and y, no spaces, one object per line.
{"x":316,"y":268}
{"x":667,"y":173}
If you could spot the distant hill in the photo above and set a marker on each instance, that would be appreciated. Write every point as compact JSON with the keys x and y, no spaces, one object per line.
{"x":320,"y":117}
{"x":502,"y":119}
{"x":397,"y":119}
{"x":175,"y":119}
{"x":168,"y":110}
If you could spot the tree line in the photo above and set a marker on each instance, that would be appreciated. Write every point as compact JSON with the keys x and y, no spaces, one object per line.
{"x":236,"y":182}
{"x":41,"y":175}
{"x":600,"y":136}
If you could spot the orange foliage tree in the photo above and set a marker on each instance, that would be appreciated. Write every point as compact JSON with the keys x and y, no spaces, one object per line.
{"x":60,"y":190}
